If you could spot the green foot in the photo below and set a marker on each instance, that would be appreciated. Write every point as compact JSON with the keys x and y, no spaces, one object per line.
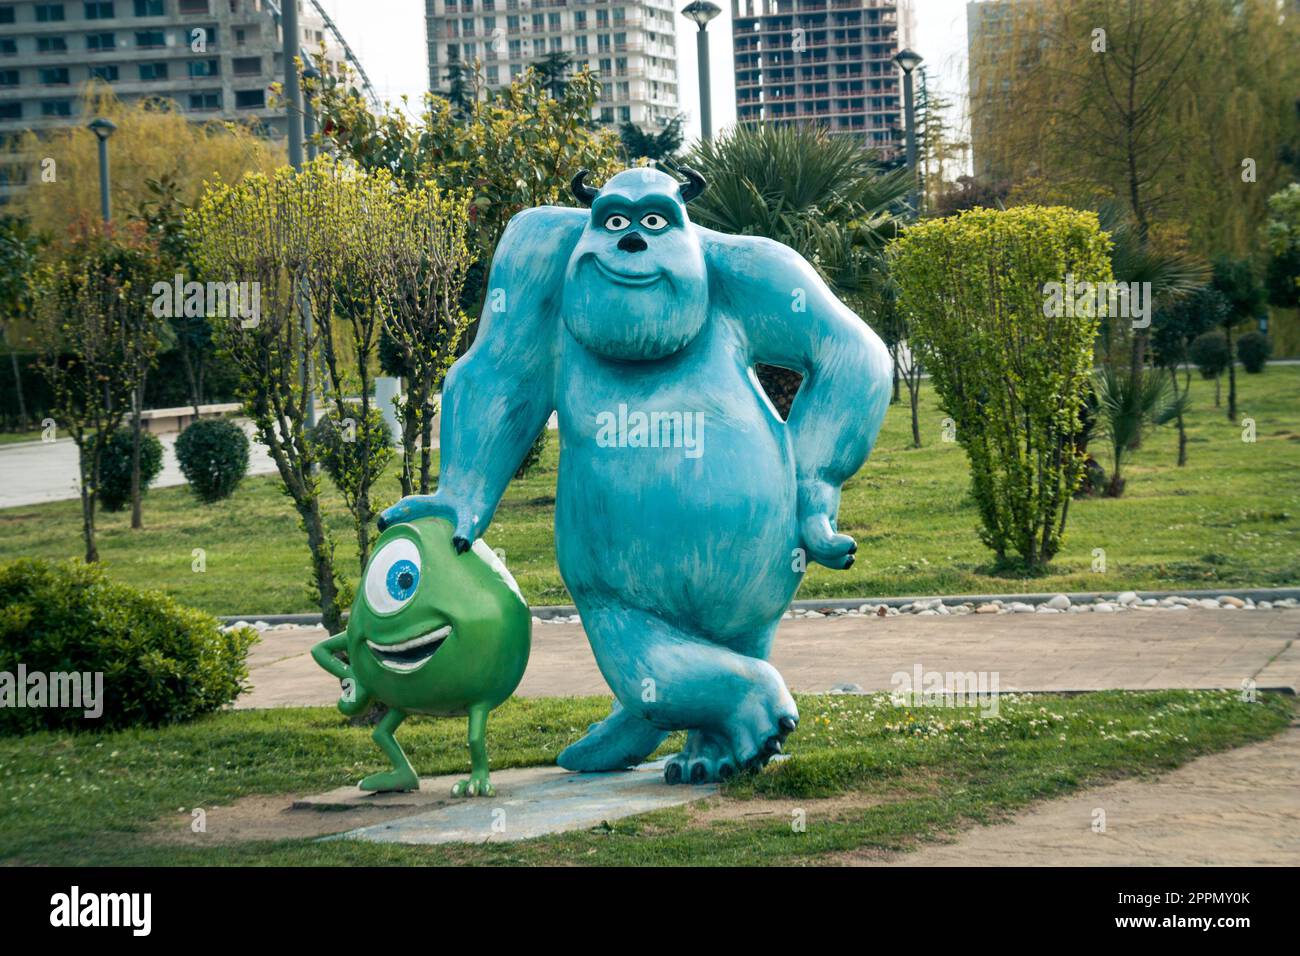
{"x":391,"y":780}
{"x":476,"y":786}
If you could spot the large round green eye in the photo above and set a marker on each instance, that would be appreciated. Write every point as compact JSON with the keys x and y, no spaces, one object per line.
{"x":616,"y":223}
{"x":654,"y":222}
{"x":393,"y":576}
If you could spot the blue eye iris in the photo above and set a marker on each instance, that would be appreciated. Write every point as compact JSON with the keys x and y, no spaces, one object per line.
{"x":403,"y":578}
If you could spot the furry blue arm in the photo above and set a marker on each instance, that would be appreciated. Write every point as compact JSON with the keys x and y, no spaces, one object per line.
{"x":790,"y":318}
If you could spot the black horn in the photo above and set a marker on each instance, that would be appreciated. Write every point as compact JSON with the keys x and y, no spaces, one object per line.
{"x":694,"y":185}
{"x":581,"y":191}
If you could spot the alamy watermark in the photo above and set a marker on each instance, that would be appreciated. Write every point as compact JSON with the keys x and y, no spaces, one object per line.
{"x":635,"y":429}
{"x":1125,"y":300}
{"x":58,"y":689}
{"x":181,"y":299}
{"x":922,"y":688}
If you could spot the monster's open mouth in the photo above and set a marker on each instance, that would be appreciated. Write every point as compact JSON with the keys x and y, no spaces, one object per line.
{"x":623,"y":278}
{"x":412,"y":654}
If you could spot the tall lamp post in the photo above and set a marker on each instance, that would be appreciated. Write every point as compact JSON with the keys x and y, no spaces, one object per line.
{"x":907,"y":62}
{"x":701,"y":11}
{"x":103,"y":129}
{"x":310,"y":75}
{"x":291,"y":42}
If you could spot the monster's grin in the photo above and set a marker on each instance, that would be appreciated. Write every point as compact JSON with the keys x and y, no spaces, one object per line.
{"x":410,"y":655}
{"x":623,"y":278}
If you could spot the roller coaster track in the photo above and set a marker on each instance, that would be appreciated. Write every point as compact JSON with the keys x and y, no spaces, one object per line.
{"x":351,"y":57}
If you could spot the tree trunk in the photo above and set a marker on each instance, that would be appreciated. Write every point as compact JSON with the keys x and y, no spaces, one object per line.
{"x":18,"y":389}
{"x":323,"y":562}
{"x":1217,"y":403}
{"x":1182,"y":429}
{"x":914,"y":394}
{"x":87,"y":504}
{"x":137,"y":521}
{"x":1232,"y":379}
{"x":195,"y":386}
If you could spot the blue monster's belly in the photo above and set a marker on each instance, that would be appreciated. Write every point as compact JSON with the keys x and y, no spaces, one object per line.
{"x":676,"y":490}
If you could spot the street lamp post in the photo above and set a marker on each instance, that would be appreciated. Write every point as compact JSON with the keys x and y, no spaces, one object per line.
{"x":310,"y":75}
{"x":293,"y":110}
{"x":907,"y":62}
{"x":103,"y":129}
{"x":701,"y":12}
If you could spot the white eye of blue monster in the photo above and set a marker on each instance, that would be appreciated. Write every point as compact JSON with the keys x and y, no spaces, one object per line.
{"x":616,"y":223}
{"x":654,"y":222}
{"x":393,"y":576}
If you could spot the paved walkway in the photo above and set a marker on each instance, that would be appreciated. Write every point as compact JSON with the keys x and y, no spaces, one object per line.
{"x":36,"y":472}
{"x":1134,"y":650}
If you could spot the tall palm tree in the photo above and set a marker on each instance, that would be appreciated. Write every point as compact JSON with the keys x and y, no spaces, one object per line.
{"x":824,"y":196}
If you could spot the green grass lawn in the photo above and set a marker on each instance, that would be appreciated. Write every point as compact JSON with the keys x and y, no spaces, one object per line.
{"x":898,"y":776}
{"x":13,"y":438}
{"x":1231,"y":517}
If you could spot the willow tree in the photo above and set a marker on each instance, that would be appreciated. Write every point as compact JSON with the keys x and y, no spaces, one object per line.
{"x":153,"y":140}
{"x":1184,"y":110}
{"x":97,"y":338}
{"x":278,"y":234}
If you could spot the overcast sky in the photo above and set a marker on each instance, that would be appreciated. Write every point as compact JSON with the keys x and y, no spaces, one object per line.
{"x":388,"y":37}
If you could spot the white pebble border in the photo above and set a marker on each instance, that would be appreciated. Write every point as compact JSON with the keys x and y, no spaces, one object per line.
{"x":931,"y":607}
{"x":1058,"y":604}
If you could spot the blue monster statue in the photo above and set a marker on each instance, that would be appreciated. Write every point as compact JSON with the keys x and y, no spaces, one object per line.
{"x":686,"y":509}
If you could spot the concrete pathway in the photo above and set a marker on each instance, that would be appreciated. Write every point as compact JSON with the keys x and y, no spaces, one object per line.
{"x":1135,"y":650}
{"x":1236,"y":808}
{"x":36,"y":472}
{"x":529,"y":802}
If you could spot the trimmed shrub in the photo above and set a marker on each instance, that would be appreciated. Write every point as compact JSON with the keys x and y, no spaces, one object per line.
{"x":1010,"y":354}
{"x":341,"y":445}
{"x":213,"y":455}
{"x":1209,"y":353}
{"x":115,"y":468}
{"x":1254,"y":349}
{"x":161,"y":662}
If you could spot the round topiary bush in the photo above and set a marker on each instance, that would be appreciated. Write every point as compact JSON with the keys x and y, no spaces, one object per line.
{"x":1254,"y":349}
{"x":115,"y":468}
{"x":1209,"y":352}
{"x":63,"y":623}
{"x":340,"y":444}
{"x":213,"y":454}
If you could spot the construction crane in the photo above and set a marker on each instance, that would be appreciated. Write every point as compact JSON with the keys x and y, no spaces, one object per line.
{"x":351,"y":57}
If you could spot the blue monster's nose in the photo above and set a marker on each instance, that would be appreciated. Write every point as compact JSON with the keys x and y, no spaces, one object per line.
{"x":632,"y":242}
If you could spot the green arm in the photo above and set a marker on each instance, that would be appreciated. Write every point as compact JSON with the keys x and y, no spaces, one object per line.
{"x":355,"y":698}
{"x":323,"y":653}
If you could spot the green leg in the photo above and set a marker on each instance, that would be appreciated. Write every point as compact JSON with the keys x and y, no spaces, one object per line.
{"x":478,"y":784}
{"x":402,"y":776}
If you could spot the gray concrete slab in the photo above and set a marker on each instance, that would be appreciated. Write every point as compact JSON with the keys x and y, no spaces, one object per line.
{"x":529,"y":802}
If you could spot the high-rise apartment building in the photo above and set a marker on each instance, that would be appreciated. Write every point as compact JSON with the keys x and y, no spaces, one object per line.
{"x":630,"y":44}
{"x":214,"y":58}
{"x":827,"y":62}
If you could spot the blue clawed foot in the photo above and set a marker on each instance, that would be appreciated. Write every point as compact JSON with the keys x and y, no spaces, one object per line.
{"x":711,"y":757}
{"x":619,"y":741}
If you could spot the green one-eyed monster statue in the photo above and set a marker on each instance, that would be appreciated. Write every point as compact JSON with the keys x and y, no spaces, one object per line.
{"x":430,"y":634}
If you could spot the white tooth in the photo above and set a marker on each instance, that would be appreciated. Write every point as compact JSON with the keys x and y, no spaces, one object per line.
{"x":414,"y":642}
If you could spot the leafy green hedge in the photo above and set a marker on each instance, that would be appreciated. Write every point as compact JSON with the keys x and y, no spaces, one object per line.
{"x":1010,"y":365}
{"x":161,"y":662}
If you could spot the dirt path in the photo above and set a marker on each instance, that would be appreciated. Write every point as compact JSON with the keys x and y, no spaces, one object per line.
{"x":1237,"y":808}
